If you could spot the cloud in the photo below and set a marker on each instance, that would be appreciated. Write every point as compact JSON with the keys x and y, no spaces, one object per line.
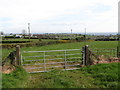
{"x":15,"y":14}
{"x":101,"y":8}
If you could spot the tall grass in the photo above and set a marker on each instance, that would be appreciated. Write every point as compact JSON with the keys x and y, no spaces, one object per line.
{"x":14,"y":79}
{"x":60,"y":79}
{"x":106,"y":75}
{"x":97,"y":76}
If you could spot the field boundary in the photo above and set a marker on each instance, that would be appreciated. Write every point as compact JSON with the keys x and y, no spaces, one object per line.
{"x":69,"y":59}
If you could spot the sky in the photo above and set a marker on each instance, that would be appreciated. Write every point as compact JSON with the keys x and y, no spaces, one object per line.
{"x":58,"y":16}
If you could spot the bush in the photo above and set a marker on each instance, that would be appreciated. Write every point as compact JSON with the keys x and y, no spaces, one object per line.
{"x":80,"y":38}
{"x":64,"y":41}
{"x":9,"y":37}
{"x":36,"y":43}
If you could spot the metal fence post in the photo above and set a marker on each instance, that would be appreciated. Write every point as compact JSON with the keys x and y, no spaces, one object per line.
{"x":44,"y":62}
{"x":18,"y":56}
{"x":65,"y":59}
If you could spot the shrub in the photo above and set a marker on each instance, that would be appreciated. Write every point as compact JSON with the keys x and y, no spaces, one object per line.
{"x":9,"y":37}
{"x":64,"y":41}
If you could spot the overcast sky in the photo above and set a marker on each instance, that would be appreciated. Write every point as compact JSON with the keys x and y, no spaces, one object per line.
{"x":59,"y":16}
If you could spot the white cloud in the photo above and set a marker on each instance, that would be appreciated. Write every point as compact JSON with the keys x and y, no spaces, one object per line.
{"x":21,"y":12}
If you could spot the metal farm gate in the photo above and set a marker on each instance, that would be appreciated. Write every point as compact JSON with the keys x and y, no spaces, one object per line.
{"x":44,"y":61}
{"x":71,"y":59}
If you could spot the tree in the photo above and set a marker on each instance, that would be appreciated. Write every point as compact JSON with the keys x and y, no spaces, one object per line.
{"x":1,"y":33}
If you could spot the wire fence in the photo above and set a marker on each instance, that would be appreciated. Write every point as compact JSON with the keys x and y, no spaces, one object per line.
{"x":107,"y":52}
{"x":103,"y":55}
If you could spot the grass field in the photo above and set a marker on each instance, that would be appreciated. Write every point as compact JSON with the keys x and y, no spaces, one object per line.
{"x":63,"y":46}
{"x":75,"y":45}
{"x":96,"y":76}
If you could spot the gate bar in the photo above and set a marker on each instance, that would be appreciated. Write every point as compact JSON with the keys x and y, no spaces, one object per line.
{"x":44,"y":63}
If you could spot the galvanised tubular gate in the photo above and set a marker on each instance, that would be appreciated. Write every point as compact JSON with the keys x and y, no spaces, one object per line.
{"x":69,"y":59}
{"x":52,"y":61}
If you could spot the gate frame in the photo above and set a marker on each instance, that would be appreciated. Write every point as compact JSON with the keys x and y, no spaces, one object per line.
{"x":64,"y":58}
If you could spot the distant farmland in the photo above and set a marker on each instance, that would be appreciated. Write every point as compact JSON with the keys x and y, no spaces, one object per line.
{"x":74,"y":45}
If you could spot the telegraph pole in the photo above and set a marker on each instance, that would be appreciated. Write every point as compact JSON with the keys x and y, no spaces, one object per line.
{"x":85,"y":36}
{"x":71,"y":34}
{"x":29,"y":30}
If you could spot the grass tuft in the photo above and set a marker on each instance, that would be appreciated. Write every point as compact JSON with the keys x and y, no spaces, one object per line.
{"x":105,"y":74}
{"x":14,"y":79}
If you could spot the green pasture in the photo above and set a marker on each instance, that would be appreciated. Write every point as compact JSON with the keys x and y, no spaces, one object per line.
{"x":74,"y":45}
{"x":65,"y":46}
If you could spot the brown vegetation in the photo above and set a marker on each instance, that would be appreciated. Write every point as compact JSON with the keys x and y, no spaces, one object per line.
{"x":7,"y":69}
{"x":102,"y":59}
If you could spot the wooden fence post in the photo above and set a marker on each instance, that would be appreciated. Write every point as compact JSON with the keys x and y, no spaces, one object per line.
{"x":87,"y":55}
{"x":83,"y":55}
{"x":18,"y":56}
